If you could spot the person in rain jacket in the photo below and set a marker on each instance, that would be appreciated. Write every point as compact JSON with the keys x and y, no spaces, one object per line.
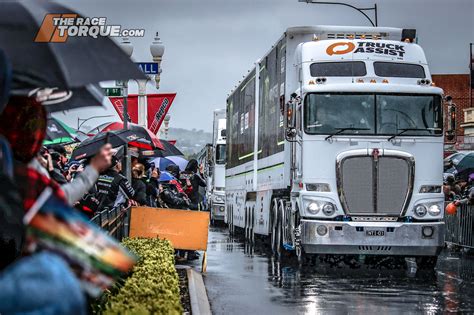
{"x":196,"y":179}
{"x":59,"y":159}
{"x":139,"y":184}
{"x":112,"y":188}
{"x":153,"y":188}
{"x":34,"y":284}
{"x":170,"y":194}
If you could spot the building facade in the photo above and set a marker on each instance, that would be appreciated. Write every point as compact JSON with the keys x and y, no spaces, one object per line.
{"x":458,"y":86}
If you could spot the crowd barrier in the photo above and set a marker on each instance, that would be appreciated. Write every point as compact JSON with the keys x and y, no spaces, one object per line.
{"x":460,"y":227}
{"x":114,"y":221}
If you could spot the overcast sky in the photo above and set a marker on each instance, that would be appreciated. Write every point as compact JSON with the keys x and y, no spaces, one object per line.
{"x":211,"y":44}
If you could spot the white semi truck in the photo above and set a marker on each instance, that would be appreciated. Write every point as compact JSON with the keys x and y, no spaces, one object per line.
{"x":335,"y":145}
{"x":217,"y":193}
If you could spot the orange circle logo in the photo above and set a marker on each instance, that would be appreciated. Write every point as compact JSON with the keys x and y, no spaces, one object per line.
{"x":332,"y":49}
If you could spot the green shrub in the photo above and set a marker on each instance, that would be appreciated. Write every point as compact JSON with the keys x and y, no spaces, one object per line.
{"x":153,"y":286}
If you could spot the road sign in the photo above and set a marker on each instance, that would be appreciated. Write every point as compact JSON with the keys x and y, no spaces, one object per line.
{"x":113,"y":92}
{"x":120,"y":83}
{"x":148,"y":67}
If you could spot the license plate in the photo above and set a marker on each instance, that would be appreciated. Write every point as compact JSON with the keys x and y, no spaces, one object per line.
{"x":374,"y":233}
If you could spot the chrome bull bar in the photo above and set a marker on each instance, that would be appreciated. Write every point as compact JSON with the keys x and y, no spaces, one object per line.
{"x":372,"y":238}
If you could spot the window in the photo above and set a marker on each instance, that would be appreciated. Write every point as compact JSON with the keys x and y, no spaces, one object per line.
{"x":368,"y":113}
{"x":220,"y":154}
{"x":397,"y":113}
{"x":338,"y":69}
{"x":398,"y":70}
{"x":329,"y":112}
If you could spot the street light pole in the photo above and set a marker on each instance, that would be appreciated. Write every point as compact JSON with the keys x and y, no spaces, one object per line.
{"x":128,"y":49}
{"x":142,"y":106}
{"x":157,"y":49}
{"x":361,"y":10}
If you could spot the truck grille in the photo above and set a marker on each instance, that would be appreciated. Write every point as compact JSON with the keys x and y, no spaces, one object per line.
{"x":373,"y":184}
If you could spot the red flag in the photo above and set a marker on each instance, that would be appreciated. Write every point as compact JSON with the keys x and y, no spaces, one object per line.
{"x":132,"y":103}
{"x":158,"y":106}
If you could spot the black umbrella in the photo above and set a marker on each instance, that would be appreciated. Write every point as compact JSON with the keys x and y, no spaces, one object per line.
{"x":71,"y":64}
{"x":464,"y":165}
{"x":140,"y":131}
{"x":56,"y":133}
{"x":56,"y":100}
{"x":169,"y":150}
{"x":116,"y":138}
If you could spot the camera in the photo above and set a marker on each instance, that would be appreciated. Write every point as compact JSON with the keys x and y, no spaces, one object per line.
{"x":184,"y":176}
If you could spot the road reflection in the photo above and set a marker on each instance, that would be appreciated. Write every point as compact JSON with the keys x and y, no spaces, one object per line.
{"x":322,"y":287}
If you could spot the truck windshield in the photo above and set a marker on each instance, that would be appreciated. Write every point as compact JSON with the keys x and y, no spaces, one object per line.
{"x":368,"y":114}
{"x":220,"y":154}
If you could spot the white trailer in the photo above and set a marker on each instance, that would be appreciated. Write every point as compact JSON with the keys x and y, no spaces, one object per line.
{"x":217,"y":187}
{"x":335,"y":145}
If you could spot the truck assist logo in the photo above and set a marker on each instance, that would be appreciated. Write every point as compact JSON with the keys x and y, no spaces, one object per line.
{"x":333,"y":48}
{"x":388,"y":49}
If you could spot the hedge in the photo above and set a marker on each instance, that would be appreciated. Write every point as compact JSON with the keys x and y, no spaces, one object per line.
{"x":153,"y":286}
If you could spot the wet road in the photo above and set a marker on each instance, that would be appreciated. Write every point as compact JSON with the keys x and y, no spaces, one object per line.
{"x":244,"y":281}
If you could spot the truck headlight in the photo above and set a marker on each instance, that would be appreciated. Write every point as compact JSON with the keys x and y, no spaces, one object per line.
{"x":434,"y":210}
{"x":313,"y":207}
{"x":218,"y":199}
{"x":420,"y":210}
{"x":328,"y":209}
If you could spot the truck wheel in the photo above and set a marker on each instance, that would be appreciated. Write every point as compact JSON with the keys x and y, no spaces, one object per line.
{"x":251,"y":225}
{"x":229,"y":220}
{"x":245,"y":224}
{"x":279,"y":235}
{"x":274,"y":226}
{"x":283,"y":224}
{"x":427,"y":262}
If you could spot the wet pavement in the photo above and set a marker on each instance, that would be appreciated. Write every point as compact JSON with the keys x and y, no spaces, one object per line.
{"x":242,"y":280}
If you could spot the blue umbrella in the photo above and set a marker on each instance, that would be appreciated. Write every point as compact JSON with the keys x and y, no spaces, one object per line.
{"x":166,"y":177}
{"x":163,"y":162}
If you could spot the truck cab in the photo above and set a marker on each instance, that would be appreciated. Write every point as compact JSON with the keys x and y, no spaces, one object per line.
{"x":364,"y":127}
{"x":217,"y":195}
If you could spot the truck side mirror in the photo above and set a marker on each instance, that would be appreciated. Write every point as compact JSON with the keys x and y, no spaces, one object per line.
{"x":291,"y":116}
{"x":450,"y":136}
{"x":290,"y":121}
{"x":451,"y":123}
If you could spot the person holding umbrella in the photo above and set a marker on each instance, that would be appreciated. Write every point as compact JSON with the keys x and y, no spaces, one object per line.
{"x":139,"y":184}
{"x":195,"y":179}
{"x":36,"y":283}
{"x":59,"y":158}
{"x":23,"y":123}
{"x":112,"y":188}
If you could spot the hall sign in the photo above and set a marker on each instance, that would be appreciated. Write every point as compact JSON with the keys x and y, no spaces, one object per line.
{"x":148,"y":67}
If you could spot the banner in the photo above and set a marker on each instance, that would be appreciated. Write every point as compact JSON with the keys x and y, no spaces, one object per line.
{"x":157,"y":106}
{"x":132,"y":102}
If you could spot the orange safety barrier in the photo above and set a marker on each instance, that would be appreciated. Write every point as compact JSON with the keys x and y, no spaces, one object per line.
{"x":185,"y":229}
